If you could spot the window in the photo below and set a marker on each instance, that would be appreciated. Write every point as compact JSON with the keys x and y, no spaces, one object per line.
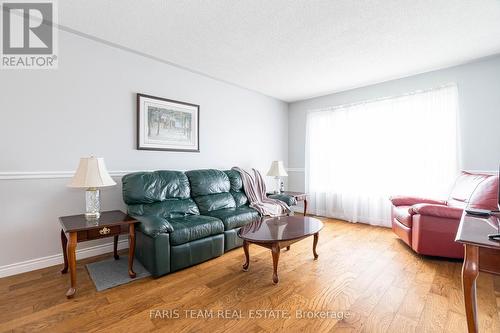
{"x":358,"y":155}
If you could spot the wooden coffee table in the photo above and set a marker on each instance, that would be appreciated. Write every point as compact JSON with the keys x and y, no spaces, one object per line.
{"x":481,"y":255}
{"x":277,"y":233}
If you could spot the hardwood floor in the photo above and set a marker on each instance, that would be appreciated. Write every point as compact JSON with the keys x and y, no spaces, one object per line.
{"x":363,"y":273}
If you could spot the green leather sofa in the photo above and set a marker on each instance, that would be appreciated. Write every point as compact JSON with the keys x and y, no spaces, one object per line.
{"x":185,"y":217}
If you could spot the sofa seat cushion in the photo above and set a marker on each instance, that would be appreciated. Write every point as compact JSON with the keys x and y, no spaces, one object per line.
{"x":235,"y":217}
{"x":402,"y":214}
{"x":193,"y":227}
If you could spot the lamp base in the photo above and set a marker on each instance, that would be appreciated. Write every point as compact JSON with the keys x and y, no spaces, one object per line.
{"x":92,"y":216}
{"x":92,"y":204}
{"x":278,"y":184}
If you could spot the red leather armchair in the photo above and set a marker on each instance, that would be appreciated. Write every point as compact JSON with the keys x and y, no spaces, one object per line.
{"x":429,"y":226}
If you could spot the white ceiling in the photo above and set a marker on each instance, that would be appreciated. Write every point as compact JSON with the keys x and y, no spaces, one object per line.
{"x":296,"y":49}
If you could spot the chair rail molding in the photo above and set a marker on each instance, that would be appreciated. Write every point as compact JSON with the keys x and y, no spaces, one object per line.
{"x":18,"y":175}
{"x":296,"y":169}
{"x":22,"y":175}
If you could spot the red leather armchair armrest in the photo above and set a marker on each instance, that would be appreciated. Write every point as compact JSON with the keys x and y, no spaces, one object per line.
{"x":403,"y":200}
{"x":437,"y":211}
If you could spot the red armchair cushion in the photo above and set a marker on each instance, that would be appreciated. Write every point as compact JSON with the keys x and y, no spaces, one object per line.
{"x":404,"y":200}
{"x":486,"y":194}
{"x":402,"y":214}
{"x":437,"y":211}
{"x":464,"y":186}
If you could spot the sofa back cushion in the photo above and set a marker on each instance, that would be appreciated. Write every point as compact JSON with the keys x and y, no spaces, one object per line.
{"x":210,"y":189}
{"x":163,"y":193}
{"x":236,"y":187}
{"x":210,"y":181}
{"x":486,"y":194}
{"x":235,"y":180}
{"x":464,"y":186}
{"x":169,"y":208}
{"x":149,"y":187}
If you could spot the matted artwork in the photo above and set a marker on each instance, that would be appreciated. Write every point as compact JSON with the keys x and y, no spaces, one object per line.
{"x":165,"y":124}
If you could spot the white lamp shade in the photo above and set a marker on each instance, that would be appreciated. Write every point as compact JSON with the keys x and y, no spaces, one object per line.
{"x":91,"y":172}
{"x":277,"y":169}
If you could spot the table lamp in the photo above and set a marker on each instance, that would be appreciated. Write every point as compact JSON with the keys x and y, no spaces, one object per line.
{"x":277,"y":170}
{"x":91,"y":174}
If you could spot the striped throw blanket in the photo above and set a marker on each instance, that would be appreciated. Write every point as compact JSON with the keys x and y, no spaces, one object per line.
{"x":255,"y":190}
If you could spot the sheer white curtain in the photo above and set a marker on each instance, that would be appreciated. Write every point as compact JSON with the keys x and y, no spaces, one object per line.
{"x":358,"y":155}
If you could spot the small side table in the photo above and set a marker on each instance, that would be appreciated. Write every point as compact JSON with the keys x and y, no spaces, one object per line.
{"x":77,"y":229}
{"x":299,"y":196}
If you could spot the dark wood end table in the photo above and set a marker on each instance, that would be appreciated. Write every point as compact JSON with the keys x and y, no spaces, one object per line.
{"x":299,"y":196}
{"x":77,"y":228}
{"x":481,"y":254}
{"x":277,"y":233}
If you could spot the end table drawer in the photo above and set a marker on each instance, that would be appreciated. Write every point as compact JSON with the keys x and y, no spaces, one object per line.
{"x":104,"y":232}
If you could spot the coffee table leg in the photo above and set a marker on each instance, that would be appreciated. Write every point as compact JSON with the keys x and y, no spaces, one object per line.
{"x":131,"y":250}
{"x":470,"y":271}
{"x":72,"y":264}
{"x":275,"y":251}
{"x":247,"y":255}
{"x":315,"y":242}
{"x":64,"y":244}
{"x":115,"y":248}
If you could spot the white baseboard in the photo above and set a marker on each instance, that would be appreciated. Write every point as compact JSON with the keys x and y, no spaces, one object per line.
{"x":57,"y":259}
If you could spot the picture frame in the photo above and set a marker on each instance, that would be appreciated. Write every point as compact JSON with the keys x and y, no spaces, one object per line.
{"x":167,"y":125}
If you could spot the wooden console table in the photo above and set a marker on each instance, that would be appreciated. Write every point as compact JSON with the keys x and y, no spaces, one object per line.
{"x":481,"y":254}
{"x":77,"y":228}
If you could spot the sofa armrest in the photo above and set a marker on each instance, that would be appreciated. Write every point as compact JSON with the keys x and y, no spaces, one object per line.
{"x":288,"y":199}
{"x":403,"y":200}
{"x":437,"y":211}
{"x":153,"y":225}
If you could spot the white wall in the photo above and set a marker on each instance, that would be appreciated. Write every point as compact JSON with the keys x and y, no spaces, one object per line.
{"x":479,"y":89}
{"x":49,"y":119}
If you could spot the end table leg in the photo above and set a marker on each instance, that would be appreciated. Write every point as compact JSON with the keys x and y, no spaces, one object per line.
{"x":64,"y":244}
{"x":470,"y":271}
{"x":247,"y":255}
{"x":305,"y":207}
{"x":131,"y":250}
{"x":115,"y":248}
{"x":275,"y":251}
{"x":72,"y":264}
{"x":288,"y":248}
{"x":315,"y":243}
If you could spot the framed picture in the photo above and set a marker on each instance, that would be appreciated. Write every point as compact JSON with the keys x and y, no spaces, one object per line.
{"x":164,"y":124}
